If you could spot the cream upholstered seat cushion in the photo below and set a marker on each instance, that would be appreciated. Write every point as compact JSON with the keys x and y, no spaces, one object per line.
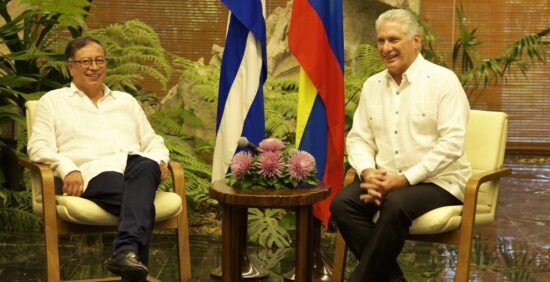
{"x":83,"y":211}
{"x":447,"y":219}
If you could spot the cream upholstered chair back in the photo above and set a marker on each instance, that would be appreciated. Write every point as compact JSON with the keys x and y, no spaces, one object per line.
{"x":485,"y":145}
{"x":30,"y":107}
{"x":82,"y":211}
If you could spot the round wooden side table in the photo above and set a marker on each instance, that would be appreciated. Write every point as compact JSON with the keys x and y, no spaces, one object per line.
{"x":235,"y":204}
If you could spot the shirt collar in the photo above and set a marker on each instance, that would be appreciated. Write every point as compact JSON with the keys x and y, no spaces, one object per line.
{"x":411,"y":73}
{"x":75,"y":91}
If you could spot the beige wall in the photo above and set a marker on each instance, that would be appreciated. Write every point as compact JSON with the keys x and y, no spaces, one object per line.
{"x":15,"y":8}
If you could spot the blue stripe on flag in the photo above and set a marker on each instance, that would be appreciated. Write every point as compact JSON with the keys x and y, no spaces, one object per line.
{"x":314,"y":138}
{"x":232,"y":56}
{"x":250,"y":15}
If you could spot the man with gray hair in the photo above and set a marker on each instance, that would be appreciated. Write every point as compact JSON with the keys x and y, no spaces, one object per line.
{"x":407,"y":146}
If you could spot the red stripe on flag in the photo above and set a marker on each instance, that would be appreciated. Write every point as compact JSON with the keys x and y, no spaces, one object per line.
{"x":309,"y":44}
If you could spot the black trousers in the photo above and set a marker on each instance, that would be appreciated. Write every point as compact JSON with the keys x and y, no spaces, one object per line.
{"x":130,"y":196}
{"x":377,"y":245}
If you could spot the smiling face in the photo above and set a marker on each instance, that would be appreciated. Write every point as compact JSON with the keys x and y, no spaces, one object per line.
{"x":88,"y":79}
{"x":397,"y":49}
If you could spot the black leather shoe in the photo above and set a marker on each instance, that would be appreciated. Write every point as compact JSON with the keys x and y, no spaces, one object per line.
{"x":127,"y":265}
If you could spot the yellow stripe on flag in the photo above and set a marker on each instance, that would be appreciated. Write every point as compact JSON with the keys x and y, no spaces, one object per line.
{"x":306,"y":98}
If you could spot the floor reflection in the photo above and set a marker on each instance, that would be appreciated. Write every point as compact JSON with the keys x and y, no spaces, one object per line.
{"x":514,"y":248}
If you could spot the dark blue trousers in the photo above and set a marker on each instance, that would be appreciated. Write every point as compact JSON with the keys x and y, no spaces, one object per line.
{"x":377,"y":245}
{"x":130,"y":196}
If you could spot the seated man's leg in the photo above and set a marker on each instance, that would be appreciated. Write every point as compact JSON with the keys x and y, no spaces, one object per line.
{"x":353,"y":217}
{"x":107,"y":191}
{"x":137,"y":214}
{"x":398,"y":210}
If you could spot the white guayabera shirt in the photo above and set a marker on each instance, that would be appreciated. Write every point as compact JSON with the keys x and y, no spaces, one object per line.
{"x":71,"y":133}
{"x":416,"y":129}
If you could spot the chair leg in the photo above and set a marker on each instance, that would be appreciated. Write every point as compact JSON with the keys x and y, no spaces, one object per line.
{"x":339,"y":260}
{"x":464,"y":254}
{"x":52,"y":255}
{"x":184,"y":254}
{"x":51,"y":235}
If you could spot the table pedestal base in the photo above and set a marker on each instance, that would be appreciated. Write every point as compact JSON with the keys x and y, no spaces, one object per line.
{"x":250,"y":271}
{"x":321,"y":270}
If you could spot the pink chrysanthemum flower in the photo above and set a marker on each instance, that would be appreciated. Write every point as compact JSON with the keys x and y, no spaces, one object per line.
{"x":241,"y":164}
{"x":271,"y":145}
{"x":270,"y":165}
{"x":300,"y":165}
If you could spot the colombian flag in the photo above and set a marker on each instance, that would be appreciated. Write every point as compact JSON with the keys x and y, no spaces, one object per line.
{"x":316,"y":40}
{"x":242,"y":76}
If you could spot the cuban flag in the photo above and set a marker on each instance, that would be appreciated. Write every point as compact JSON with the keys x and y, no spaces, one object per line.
{"x":242,"y":76}
{"x":316,"y":39}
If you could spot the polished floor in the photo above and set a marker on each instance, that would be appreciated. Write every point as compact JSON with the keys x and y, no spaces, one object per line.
{"x":514,"y":248}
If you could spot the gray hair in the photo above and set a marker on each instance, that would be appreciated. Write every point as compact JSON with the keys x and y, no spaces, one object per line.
{"x":406,"y":18}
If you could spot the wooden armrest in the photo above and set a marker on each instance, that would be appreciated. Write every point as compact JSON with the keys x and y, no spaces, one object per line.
{"x":42,"y":169}
{"x":472,"y":188}
{"x":178,"y":178}
{"x":349,"y":177}
{"x":42,"y":176}
{"x":477,"y":179}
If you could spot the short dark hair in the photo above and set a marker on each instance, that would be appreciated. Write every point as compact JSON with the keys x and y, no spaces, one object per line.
{"x":78,"y":43}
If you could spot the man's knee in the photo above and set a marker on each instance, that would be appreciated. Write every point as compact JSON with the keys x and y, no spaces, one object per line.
{"x":393,"y":209}
{"x":336,"y":207}
{"x":146,"y":166}
{"x":341,"y":204}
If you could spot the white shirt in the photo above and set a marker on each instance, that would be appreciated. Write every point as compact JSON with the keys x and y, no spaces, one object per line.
{"x":416,"y":129}
{"x":71,"y":133}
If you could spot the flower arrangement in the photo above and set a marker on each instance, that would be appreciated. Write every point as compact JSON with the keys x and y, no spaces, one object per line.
{"x":273,"y":167}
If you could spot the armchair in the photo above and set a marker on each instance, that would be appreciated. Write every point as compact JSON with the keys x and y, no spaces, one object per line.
{"x":485,"y":144}
{"x":70,"y":215}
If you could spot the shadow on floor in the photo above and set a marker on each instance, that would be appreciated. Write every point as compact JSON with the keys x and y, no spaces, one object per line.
{"x":514,"y":248}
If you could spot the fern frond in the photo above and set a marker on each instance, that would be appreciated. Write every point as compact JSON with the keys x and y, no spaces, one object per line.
{"x":208,"y":92}
{"x":135,"y":50}
{"x":16,"y":211}
{"x":197,"y":189}
{"x":277,"y":125}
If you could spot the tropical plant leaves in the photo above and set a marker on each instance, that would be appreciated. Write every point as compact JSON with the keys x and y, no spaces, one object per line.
{"x":263,"y":227}
{"x":134,"y":50}
{"x":16,"y":211}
